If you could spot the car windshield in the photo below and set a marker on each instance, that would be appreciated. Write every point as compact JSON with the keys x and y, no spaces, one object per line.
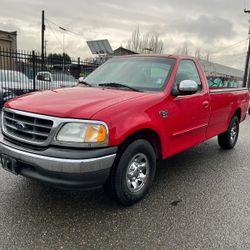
{"x":63,"y":77}
{"x":141,"y":73}
{"x":13,"y":76}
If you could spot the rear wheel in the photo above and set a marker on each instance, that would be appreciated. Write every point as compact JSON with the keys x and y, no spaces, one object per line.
{"x":133,"y":173}
{"x":228,"y":139}
{"x":249,"y":110}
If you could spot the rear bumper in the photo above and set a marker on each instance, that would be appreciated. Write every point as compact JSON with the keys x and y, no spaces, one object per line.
{"x":68,"y":169}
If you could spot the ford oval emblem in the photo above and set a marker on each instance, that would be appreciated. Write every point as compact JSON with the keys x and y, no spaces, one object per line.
{"x":20,"y":126}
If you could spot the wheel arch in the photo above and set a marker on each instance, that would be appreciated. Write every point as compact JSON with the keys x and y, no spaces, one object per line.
{"x":147,"y":134}
{"x":237,"y":113}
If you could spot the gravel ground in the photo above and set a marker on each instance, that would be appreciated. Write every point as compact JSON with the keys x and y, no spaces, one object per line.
{"x":200,"y":200}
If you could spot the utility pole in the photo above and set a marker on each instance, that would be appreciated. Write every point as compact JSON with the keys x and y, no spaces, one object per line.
{"x":247,"y":70}
{"x":42,"y":41}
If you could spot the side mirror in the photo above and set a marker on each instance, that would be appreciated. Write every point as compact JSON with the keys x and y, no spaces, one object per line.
{"x":186,"y":87}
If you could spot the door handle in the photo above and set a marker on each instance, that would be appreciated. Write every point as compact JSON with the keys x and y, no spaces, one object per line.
{"x":205,"y":104}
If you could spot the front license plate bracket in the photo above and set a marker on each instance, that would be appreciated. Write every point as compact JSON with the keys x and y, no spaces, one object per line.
{"x":9,"y":164}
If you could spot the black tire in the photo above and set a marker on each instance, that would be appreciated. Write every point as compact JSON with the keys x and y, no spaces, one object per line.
{"x":126,"y":168}
{"x":249,"y":110}
{"x":228,"y":139}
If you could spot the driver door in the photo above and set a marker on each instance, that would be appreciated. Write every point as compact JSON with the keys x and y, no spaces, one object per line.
{"x":190,"y":113}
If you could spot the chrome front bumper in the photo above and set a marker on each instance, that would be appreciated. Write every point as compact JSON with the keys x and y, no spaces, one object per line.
{"x":67,"y":168}
{"x":59,"y":164}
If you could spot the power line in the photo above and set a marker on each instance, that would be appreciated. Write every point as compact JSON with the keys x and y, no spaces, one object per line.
{"x":243,"y":59}
{"x":230,"y":46}
{"x":226,"y":56}
{"x":62,"y":28}
{"x":52,"y":22}
{"x":54,"y":33}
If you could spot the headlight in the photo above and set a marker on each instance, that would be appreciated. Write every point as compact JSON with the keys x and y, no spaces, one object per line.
{"x":78,"y":132}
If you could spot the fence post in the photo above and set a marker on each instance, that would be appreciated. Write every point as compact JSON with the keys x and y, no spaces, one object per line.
{"x":34,"y":72}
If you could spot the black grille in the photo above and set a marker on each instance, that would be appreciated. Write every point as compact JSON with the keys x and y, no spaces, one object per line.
{"x":28,"y":128}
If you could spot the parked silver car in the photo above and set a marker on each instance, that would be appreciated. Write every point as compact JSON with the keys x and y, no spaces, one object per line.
{"x":47,"y":80}
{"x":13,"y":83}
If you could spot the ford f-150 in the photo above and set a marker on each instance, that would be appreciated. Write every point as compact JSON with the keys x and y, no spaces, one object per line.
{"x":111,"y":129}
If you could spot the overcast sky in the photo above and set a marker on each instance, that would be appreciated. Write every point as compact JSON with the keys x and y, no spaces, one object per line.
{"x":211,"y":25}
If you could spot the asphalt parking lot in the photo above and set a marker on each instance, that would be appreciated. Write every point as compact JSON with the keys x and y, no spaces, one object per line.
{"x":200,"y":200}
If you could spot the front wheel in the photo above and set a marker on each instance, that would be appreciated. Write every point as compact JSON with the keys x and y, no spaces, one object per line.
{"x":228,"y":139}
{"x":133,"y":172}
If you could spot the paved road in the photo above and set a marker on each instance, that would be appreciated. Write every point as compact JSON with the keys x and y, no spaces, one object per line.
{"x":200,"y":200}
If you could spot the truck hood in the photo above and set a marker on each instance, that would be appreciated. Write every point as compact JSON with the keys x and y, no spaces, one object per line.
{"x":77,"y":102}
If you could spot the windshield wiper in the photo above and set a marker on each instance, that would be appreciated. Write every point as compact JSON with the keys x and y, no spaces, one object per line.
{"x":85,"y":83}
{"x":117,"y":85}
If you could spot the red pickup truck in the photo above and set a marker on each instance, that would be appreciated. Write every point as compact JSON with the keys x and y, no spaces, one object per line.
{"x":112,"y":128}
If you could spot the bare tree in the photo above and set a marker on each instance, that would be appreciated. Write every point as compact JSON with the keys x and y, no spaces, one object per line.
{"x":207,"y":56}
{"x":185,"y":49}
{"x":146,"y":43}
{"x":155,"y":43}
{"x":178,"y":51}
{"x":197,"y":53}
{"x":135,"y":42}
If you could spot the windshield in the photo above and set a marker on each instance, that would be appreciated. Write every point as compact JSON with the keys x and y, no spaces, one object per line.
{"x":13,"y":76}
{"x":142,"y":73}
{"x":63,"y":77}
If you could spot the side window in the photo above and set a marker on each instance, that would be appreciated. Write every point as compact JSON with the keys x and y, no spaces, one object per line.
{"x":187,"y":71}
